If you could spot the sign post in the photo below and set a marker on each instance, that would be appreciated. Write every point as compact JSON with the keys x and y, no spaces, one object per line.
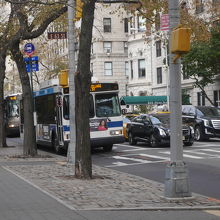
{"x":29,"y":51}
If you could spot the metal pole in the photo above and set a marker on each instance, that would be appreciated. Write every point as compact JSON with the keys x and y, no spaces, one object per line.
{"x":176,"y":177}
{"x":71,"y":50}
{"x":31,"y":74}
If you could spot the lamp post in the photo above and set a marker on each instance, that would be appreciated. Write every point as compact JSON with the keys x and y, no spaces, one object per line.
{"x":71,"y":51}
{"x":176,"y":176}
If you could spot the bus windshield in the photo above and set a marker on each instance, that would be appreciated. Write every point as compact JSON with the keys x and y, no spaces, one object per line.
{"x":12,"y":108}
{"x":66,"y":113}
{"x":107,"y":105}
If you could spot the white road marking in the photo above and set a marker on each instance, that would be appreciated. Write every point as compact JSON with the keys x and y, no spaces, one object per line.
{"x":211,"y":150}
{"x":154,"y":156}
{"x":125,"y":145}
{"x":184,"y":155}
{"x":204,"y":145}
{"x":132,"y":164}
{"x":128,"y":158}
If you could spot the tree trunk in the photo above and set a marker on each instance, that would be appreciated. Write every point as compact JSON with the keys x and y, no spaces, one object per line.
{"x":30,"y":148}
{"x":2,"y":107}
{"x":83,"y":163}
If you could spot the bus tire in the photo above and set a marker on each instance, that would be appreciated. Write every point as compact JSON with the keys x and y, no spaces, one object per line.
{"x":55,"y":144}
{"x":108,"y":148}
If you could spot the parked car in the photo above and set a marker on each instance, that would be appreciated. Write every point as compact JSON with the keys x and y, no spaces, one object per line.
{"x":204,"y":119}
{"x":127,"y":119}
{"x":155,"y":130}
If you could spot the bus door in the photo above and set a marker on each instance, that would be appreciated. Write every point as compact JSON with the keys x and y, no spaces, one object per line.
{"x":59,"y":122}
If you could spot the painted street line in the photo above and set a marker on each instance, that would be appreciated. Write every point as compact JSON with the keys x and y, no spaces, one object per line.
{"x":202,"y":153}
{"x":128,"y":158}
{"x":184,"y":155}
{"x":124,"y":145}
{"x":154,"y":156}
{"x":211,"y":150}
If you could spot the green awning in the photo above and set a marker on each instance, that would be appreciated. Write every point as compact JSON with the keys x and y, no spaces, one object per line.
{"x":143,"y":100}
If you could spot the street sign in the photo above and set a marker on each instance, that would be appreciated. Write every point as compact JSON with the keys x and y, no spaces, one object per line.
{"x":31,"y":63}
{"x":56,"y":35}
{"x":29,"y":49}
{"x":33,"y":67}
{"x":164,"y":22}
{"x":28,"y":59}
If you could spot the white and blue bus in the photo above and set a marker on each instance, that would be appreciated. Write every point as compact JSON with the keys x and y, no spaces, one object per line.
{"x":52,"y":116}
{"x":12,"y":116}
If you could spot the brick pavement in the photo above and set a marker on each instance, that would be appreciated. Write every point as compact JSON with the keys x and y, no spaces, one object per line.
{"x":108,"y":190}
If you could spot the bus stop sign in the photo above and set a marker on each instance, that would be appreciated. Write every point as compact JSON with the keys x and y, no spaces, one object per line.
{"x":29,"y":49}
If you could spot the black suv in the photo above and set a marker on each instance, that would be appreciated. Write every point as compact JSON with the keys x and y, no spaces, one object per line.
{"x":204,"y":119}
{"x":154,"y":129}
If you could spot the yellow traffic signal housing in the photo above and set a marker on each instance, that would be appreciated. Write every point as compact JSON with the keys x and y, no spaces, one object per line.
{"x":180,"y":40}
{"x":63,"y":78}
{"x":78,"y":10}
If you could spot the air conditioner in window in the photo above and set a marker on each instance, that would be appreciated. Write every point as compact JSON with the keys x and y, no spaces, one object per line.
{"x":108,"y":51}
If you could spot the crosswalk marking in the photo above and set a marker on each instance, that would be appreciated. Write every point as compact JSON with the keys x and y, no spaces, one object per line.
{"x":154,"y":156}
{"x":201,"y":153}
{"x":185,"y":155}
{"x":128,"y":158}
{"x":211,"y":150}
{"x":128,"y":155}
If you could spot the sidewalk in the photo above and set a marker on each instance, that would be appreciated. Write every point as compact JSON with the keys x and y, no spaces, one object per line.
{"x":48,"y":183}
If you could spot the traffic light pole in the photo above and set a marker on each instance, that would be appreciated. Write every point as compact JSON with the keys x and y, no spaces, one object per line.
{"x":176,"y":176}
{"x":71,"y":51}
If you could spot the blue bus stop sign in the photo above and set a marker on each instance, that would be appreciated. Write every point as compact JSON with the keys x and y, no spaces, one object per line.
{"x":29,"y":49}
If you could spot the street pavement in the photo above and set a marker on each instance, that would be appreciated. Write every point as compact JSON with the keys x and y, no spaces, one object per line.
{"x":45,"y":188}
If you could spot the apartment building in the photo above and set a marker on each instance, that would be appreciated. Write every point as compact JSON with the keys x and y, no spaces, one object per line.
{"x":109,"y":50}
{"x":148,"y":61}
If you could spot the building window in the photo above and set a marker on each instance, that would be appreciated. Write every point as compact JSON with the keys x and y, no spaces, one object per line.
{"x":132,"y":70}
{"x":158,"y":48}
{"x":200,"y":99}
{"x":216,"y":95}
{"x":126,"y":68}
{"x":132,"y":25}
{"x":141,"y":22}
{"x":126,"y":47}
{"x":91,"y":68}
{"x":141,"y":68}
{"x":107,"y":25}
{"x":126,"y":25}
{"x":107,"y":47}
{"x":159,"y":75}
{"x":185,"y":75}
{"x":108,"y":69}
{"x":157,"y":22}
{"x":199,"y":6}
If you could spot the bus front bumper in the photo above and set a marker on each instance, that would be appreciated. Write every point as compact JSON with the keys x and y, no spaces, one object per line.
{"x":100,"y":142}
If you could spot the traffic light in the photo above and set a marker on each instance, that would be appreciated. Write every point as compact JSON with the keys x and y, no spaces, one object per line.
{"x":63,"y":78}
{"x":78,"y":10}
{"x":180,"y":40}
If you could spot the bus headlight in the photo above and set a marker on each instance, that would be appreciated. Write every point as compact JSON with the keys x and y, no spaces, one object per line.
{"x":11,"y":126}
{"x":116,"y":132}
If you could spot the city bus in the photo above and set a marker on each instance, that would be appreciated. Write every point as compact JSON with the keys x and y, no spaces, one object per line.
{"x":12,"y":114}
{"x":52,"y":116}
